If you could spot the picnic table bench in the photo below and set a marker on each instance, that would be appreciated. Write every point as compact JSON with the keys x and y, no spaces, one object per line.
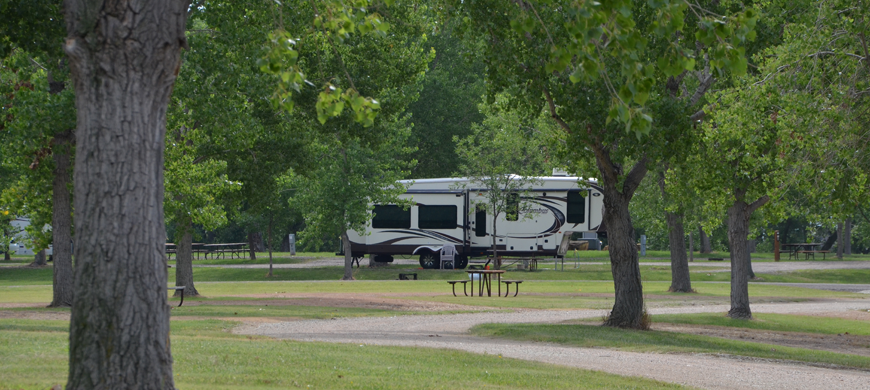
{"x":508,"y":283}
{"x":179,"y":288}
{"x":453,"y":284}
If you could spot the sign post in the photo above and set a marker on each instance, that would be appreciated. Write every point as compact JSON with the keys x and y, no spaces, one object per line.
{"x":292,"y":239}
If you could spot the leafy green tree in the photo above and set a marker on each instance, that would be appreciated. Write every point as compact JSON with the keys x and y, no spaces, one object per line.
{"x":335,"y":195}
{"x":193,"y":187}
{"x":776,"y":129}
{"x":505,"y":156}
{"x":34,"y":30}
{"x":619,"y":79}
{"x":447,"y":106}
{"x":37,"y":145}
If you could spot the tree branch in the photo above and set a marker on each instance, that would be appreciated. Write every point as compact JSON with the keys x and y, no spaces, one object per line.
{"x":635,"y":176}
{"x":758,"y":203}
{"x":866,"y":52}
{"x":542,"y":23}
{"x":698,"y":115}
{"x":553,"y":114}
{"x":706,"y":81}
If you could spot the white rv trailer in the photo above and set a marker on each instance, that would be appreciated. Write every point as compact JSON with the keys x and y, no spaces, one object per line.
{"x":444,"y":211}
{"x":21,"y":240}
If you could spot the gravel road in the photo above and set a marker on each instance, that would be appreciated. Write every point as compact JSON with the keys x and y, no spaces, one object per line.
{"x":761,"y":267}
{"x":699,"y":370}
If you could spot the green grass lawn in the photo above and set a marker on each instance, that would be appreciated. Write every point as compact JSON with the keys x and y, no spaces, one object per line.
{"x":533,"y":294}
{"x":772,"y":322}
{"x":595,"y":336}
{"x":34,"y":355}
{"x":584,"y":269}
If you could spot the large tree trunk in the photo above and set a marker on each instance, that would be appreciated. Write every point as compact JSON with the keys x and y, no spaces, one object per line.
{"x":376,"y":264}
{"x":691,"y":248}
{"x":680,"y":280}
{"x":628,"y":307}
{"x":269,"y":238}
{"x":348,"y":257}
{"x":61,"y":224}
{"x":738,"y":229}
{"x":840,"y":239}
{"x":830,"y":241}
{"x":39,"y":259}
{"x":738,"y":232}
{"x":184,"y":259}
{"x":124,"y":59}
{"x":704,"y":241}
{"x":847,"y":238}
{"x":255,"y":244}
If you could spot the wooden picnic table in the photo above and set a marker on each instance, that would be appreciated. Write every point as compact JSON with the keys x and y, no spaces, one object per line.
{"x":807,"y":248}
{"x":216,"y":250}
{"x":485,"y":280}
{"x":219,"y":250}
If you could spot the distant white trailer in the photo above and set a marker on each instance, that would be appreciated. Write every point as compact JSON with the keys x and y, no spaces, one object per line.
{"x":20,"y":239}
{"x":445,"y":211}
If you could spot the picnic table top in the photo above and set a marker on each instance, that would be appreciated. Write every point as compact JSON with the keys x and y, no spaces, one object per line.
{"x":485,"y":271}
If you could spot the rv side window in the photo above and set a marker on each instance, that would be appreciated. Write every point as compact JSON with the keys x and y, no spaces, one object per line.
{"x":437,"y":217}
{"x":576,"y":207}
{"x":513,"y":207}
{"x":391,"y":217}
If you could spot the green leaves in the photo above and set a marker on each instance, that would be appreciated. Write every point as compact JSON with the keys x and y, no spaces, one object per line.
{"x":331,"y":102}
{"x":345,"y":17}
{"x":333,"y":25}
{"x":614,"y":41}
{"x":282,"y":61}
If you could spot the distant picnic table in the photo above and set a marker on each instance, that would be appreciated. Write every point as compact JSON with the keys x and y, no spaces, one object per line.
{"x":808,"y":249}
{"x":217,"y":251}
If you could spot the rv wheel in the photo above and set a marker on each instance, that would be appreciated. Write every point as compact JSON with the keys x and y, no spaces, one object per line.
{"x":461,"y":262}
{"x":428,"y":260}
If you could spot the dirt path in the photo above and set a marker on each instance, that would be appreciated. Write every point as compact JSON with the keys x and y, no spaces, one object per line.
{"x":700,"y":370}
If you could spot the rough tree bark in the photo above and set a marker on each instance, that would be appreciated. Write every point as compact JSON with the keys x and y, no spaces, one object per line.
{"x":829,"y":243}
{"x":680,"y":279}
{"x":840,"y":239}
{"x":847,"y":238}
{"x":61,"y":231}
{"x":39,"y":259}
{"x":348,"y":257}
{"x":738,"y":232}
{"x":704,"y":241}
{"x":255,"y":244}
{"x":184,"y":259}
{"x":691,"y":248}
{"x":269,"y":238}
{"x":124,"y":57}
{"x":628,"y":307}
{"x":376,"y":264}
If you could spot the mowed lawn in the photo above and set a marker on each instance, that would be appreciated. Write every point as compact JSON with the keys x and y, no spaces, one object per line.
{"x":34,"y":355}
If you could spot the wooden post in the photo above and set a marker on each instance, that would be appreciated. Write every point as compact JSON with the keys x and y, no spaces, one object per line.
{"x":776,"y":245}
